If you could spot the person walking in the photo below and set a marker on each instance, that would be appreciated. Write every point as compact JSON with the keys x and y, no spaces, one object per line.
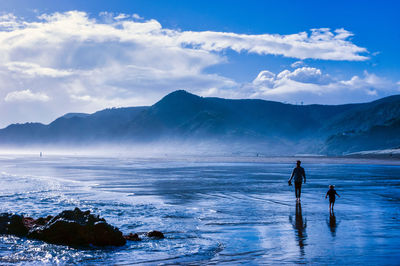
{"x":298,"y":175}
{"x":332,"y":197}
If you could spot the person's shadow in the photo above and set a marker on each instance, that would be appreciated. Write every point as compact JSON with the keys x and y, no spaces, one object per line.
{"x":299,"y":226}
{"x":332,"y":223}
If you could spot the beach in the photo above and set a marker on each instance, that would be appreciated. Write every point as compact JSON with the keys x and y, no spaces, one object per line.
{"x":212,"y":210}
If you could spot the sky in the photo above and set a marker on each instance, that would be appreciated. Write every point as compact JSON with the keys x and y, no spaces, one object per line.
{"x":58,"y":57}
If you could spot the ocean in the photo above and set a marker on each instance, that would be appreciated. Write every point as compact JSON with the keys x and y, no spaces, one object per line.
{"x":212,"y":210}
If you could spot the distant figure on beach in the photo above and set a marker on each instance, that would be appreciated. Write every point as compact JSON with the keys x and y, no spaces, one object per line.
{"x":298,"y":174}
{"x":332,"y":196}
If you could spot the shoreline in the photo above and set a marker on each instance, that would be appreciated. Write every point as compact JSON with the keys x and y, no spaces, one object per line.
{"x":292,"y":159}
{"x":374,"y":159}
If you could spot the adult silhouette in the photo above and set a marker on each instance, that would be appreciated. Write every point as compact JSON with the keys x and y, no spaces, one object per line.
{"x":298,"y":175}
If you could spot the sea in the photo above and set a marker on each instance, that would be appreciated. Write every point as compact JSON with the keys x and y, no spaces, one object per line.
{"x":212,"y":210}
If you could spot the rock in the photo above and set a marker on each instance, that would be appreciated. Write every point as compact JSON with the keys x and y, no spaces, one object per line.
{"x":12,"y":224}
{"x":74,"y":228}
{"x":43,"y":221}
{"x":132,"y":237}
{"x":77,"y":228}
{"x":30,"y":223}
{"x":105,"y":235}
{"x":155,"y":234}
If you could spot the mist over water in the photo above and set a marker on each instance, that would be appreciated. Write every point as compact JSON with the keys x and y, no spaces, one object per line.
{"x":212,"y":210}
{"x":175,"y":147}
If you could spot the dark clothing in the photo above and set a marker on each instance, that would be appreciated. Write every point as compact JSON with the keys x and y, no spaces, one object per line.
{"x":332,"y":194}
{"x":297,"y":189}
{"x":298,"y":174}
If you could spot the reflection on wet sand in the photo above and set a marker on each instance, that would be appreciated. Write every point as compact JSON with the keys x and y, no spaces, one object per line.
{"x":299,"y":227}
{"x":332,"y":223}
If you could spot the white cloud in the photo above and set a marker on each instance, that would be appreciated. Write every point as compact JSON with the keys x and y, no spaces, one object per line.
{"x":26,"y":96}
{"x":310,"y":85}
{"x":308,"y":75}
{"x":369,"y":80}
{"x":297,"y":64}
{"x":9,"y":22}
{"x":305,"y":75}
{"x":320,"y":44}
{"x":33,"y":70}
{"x":121,"y":16}
{"x":109,"y":16}
{"x":136,"y":16}
{"x":265,"y":78}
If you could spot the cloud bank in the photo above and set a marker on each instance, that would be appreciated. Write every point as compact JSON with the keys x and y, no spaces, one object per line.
{"x":308,"y":85}
{"x":320,"y":44}
{"x":65,"y":62}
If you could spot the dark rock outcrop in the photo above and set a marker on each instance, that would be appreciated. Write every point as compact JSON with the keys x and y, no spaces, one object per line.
{"x":77,"y":228}
{"x":155,"y":234}
{"x":133,"y":237}
{"x":12,"y":224}
{"x":74,"y":228}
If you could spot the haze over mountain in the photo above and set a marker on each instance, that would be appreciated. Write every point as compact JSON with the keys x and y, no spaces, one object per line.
{"x":265,"y":127}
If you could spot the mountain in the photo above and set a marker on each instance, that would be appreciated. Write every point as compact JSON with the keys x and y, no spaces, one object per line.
{"x":364,"y":116}
{"x":247,"y":124}
{"x":369,"y":126}
{"x":183,"y":114}
{"x":376,"y":137}
{"x":105,"y":125}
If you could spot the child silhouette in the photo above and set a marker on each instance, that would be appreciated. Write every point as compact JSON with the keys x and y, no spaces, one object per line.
{"x":332,"y":196}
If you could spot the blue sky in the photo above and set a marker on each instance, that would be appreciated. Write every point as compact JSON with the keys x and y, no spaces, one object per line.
{"x":82,"y":56}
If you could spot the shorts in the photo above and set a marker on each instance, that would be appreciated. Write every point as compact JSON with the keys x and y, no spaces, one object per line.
{"x":331,"y":200}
